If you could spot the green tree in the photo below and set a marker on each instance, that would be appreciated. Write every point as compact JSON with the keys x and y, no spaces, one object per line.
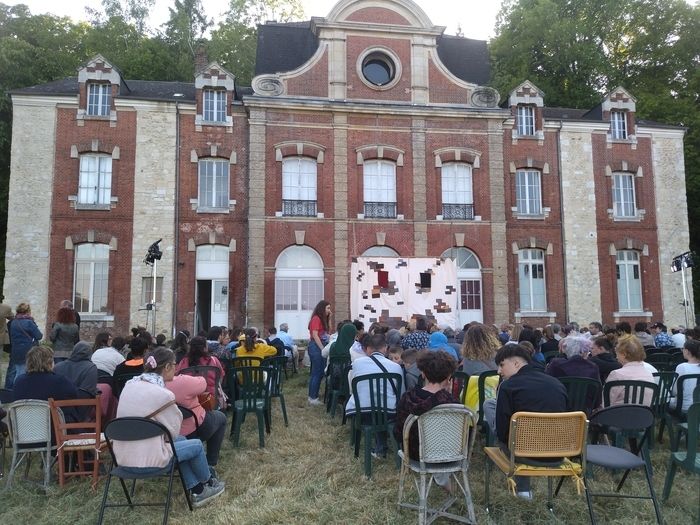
{"x":184,"y":32}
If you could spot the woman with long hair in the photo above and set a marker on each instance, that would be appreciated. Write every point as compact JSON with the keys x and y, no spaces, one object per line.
{"x":147,"y":396}
{"x":199,"y":355}
{"x":24,"y":334}
{"x":250,"y":345}
{"x":479,"y":349}
{"x":318,"y":337}
{"x":180,"y":345}
{"x":64,"y":334}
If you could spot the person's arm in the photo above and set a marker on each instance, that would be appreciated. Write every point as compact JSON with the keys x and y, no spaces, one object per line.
{"x":504,"y":411}
{"x":53,"y":334}
{"x":36,"y":332}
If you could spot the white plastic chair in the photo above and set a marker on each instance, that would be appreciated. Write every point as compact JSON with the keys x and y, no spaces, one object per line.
{"x":30,"y":428}
{"x":446,"y":438}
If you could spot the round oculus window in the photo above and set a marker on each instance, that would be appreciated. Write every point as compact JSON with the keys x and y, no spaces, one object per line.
{"x":378,"y":69}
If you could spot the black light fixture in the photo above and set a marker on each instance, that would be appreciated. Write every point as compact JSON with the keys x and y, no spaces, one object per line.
{"x":684,"y":260}
{"x":154,"y":253}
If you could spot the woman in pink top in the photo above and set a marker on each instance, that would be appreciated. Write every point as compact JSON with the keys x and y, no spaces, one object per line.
{"x":198,"y":355}
{"x":210,"y":426}
{"x":630,"y":354}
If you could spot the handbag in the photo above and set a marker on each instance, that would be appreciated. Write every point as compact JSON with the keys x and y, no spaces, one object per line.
{"x":206,"y":401}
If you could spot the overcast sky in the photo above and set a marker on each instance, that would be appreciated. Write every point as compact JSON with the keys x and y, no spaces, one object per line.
{"x":476,"y":17}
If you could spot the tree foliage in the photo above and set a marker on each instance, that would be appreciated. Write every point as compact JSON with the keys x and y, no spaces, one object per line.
{"x":576,"y":50}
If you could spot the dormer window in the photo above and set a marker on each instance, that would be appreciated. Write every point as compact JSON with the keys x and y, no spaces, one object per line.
{"x":618,"y":125}
{"x":214,"y":105}
{"x":526,"y":120}
{"x":99,"y":99}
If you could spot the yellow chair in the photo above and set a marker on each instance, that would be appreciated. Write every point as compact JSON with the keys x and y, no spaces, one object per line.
{"x":542,"y":445}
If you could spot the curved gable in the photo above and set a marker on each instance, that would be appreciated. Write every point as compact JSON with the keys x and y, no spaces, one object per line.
{"x":395,"y":12}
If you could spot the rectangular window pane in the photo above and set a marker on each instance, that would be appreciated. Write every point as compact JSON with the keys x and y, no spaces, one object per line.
{"x":81,"y":301}
{"x":214,"y":105}
{"x":147,"y":290}
{"x":99,"y":99}
{"x":526,"y":120}
{"x":311,"y":293}
{"x":618,"y":124}
{"x":213,"y":184}
{"x":91,"y":278}
{"x":286,"y":294}
{"x":623,"y":195}
{"x":531,"y":278}
{"x":629,"y":283}
{"x":528,"y":192}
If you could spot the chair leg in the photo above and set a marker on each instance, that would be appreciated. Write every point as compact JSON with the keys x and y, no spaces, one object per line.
{"x":402,"y":478}
{"x":284,"y":410}
{"x":669,"y":480}
{"x":166,"y":511}
{"x":61,"y":468}
{"x":657,"y":510}
{"x":368,"y":453}
{"x":550,"y":505}
{"x":468,"y":496}
{"x":422,"y":500}
{"x":588,"y":500}
{"x":46,"y":464}
{"x":13,"y":467}
{"x":237,"y":423}
{"x":261,"y":427}
{"x":487,"y":479}
{"x":101,"y":517}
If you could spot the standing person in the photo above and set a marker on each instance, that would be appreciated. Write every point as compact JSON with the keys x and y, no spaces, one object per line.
{"x":64,"y":334}
{"x":69,"y":304}
{"x":147,"y":396}
{"x":318,"y":337}
{"x":24,"y":334}
{"x":5,"y":314}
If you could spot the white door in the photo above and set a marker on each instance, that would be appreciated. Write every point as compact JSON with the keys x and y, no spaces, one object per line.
{"x":219,"y":303}
{"x":211,"y":286}
{"x":470,"y":292}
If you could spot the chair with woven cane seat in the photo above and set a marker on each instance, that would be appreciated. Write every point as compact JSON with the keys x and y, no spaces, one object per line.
{"x":78,"y":437}
{"x":632,"y":420}
{"x":551,"y":445}
{"x":30,"y":428}
{"x":446,"y":436}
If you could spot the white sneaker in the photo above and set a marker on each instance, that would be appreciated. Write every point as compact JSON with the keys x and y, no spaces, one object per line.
{"x":209,"y":493}
{"x":526,"y":495}
{"x":315,"y":401}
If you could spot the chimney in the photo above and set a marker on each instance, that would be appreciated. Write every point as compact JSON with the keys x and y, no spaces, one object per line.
{"x":201,"y":60}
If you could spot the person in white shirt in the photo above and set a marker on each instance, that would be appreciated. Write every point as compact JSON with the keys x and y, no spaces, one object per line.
{"x":678,"y":336}
{"x":104,"y":356}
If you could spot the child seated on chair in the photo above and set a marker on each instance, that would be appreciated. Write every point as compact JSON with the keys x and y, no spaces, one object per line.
{"x":436,"y":369}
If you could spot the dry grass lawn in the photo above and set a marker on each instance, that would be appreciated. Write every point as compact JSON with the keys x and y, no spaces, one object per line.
{"x":306,"y":474}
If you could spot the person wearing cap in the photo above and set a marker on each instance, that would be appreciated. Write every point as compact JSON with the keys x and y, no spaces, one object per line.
{"x":661,"y":337}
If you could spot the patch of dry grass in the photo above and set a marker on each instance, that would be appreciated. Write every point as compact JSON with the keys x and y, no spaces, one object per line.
{"x":306,"y":474}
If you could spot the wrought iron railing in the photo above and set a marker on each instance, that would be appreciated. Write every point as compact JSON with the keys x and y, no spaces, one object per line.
{"x":380,"y":210}
{"x":296,"y":208}
{"x":460,"y":212}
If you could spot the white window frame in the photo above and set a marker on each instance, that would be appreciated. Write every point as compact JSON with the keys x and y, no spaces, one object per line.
{"x":95,"y":180}
{"x":628,"y":281}
{"x":99,"y":96}
{"x":92,"y":268}
{"x":214,"y":105}
{"x":624,"y":195}
{"x":526,"y":121}
{"x":379,"y":181}
{"x":456,"y":178}
{"x":618,"y":125}
{"x":299,"y":183}
{"x":531,"y":261}
{"x":528,"y":192}
{"x":213,"y":184}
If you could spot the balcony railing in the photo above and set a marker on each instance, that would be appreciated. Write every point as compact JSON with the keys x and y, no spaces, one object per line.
{"x":380,"y":210}
{"x":458,"y":212}
{"x":294,"y":208}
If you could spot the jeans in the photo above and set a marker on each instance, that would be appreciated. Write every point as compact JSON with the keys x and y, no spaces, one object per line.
{"x":212,"y":431}
{"x":318,"y":365}
{"x":192,"y":461}
{"x":10,"y":376}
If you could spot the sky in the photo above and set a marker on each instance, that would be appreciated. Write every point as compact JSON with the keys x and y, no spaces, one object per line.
{"x":477,"y":18}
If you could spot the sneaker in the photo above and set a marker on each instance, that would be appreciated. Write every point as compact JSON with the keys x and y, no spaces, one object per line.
{"x":213,"y":474}
{"x":315,"y":401}
{"x":526,"y":495}
{"x":209,"y":493}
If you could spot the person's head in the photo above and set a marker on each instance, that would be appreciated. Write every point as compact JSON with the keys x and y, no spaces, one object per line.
{"x":510,"y":359}
{"x":118,"y":342}
{"x":595,"y":328}
{"x":102,"y":340}
{"x":629,"y":349}
{"x":23,"y":308}
{"x":39,"y":359}
{"x":409,"y":356}
{"x":691,"y":350}
{"x":480,"y":343}
{"x":528,"y":334}
{"x":65,"y":316}
{"x":527,"y":345}
{"x":198,"y":350}
{"x":515,"y":332}
{"x":284,"y":327}
{"x":250,"y":336}
{"x":376,"y":343}
{"x":359,"y":326}
{"x":601,"y":345}
{"x":161,"y":361}
{"x":160,"y":339}
{"x":181,"y":339}
{"x":641,"y":327}
{"x":658,"y":327}
{"x":449,"y":333}
{"x":556,"y":328}
{"x":436,"y":367}
{"x":623,"y":328}
{"x":214,"y":333}
{"x":548,"y":332}
{"x":393,"y":337}
{"x":506,"y":327}
{"x":138,"y":346}
{"x":421,"y":324}
{"x":272,"y":332}
{"x":394,"y":354}
{"x":574,"y":346}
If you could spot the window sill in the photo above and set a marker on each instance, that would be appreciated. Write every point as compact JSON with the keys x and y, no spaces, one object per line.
{"x":213,"y":210}
{"x":639,"y":217}
{"x":630,"y":313}
{"x":194,"y":203}
{"x":104,"y":207}
{"x":199,"y":122}
{"x":95,"y":317}
{"x":531,"y":216}
{"x":550,"y":315}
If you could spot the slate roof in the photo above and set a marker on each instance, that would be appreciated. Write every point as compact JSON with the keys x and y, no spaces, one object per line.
{"x":466,"y":58}
{"x":136,"y":89}
{"x":284,"y":47}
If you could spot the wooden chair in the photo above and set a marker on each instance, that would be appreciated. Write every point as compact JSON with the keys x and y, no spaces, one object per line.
{"x":551,"y":445}
{"x":79,"y":438}
{"x":446,"y":436}
{"x":5,"y":399}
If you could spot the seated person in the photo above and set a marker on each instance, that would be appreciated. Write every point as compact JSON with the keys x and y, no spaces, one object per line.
{"x":80,"y":370}
{"x":691,"y":352}
{"x":601,"y":355}
{"x":630,"y":353}
{"x":438,"y":341}
{"x":523,"y":389}
{"x":40,"y":382}
{"x":436,"y":368}
{"x":290,"y":348}
{"x":252,"y":346}
{"x":133,"y":364}
{"x":211,"y":424}
{"x":105,"y":357}
{"x":147,"y":396}
{"x":217,"y":342}
{"x":274,"y":340}
{"x":576,"y":364}
{"x":375,"y":362}
{"x":198,"y":355}
{"x":412,"y":376}
{"x":394,"y":353}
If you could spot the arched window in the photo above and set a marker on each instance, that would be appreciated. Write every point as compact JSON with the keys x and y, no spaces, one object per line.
{"x":380,"y":251}
{"x":469,"y":284}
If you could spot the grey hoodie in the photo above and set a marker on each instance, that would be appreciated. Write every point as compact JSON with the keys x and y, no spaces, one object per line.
{"x":79,"y":370}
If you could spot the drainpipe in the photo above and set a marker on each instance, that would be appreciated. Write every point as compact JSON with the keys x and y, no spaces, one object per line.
{"x":176,"y":266}
{"x":562,"y":229}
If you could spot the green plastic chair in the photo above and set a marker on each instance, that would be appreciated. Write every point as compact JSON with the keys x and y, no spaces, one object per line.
{"x":254,"y":397}
{"x":676,"y":359}
{"x":676,"y":416}
{"x":682,"y":428}
{"x":232,"y":382}
{"x":661,"y":361}
{"x":583,"y":393}
{"x":483,"y":426}
{"x":667,"y":379}
{"x":548,"y":356}
{"x":688,"y":460}
{"x":337,"y":386}
{"x":377,"y":416}
{"x":278,"y":365}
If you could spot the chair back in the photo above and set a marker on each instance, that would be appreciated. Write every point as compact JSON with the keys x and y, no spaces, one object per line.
{"x":460,"y":380}
{"x":338,"y":366}
{"x":188,"y":413}
{"x":676,"y":359}
{"x":135,"y":429}
{"x":277,"y":364}
{"x":635,"y":392}
{"x":445,"y":434}
{"x":661,"y":361}
{"x":547,"y":435}
{"x":254,"y":385}
{"x":30,"y":423}
{"x":120,"y":380}
{"x":691,"y":458}
{"x":628,"y":418}
{"x":582,"y":393}
{"x":378,"y":387}
{"x":68,"y":430}
{"x":483,"y":376}
{"x":238,"y":362}
{"x":548,"y":356}
{"x":683,"y":383}
{"x":666,"y":381}
{"x":206,"y":372}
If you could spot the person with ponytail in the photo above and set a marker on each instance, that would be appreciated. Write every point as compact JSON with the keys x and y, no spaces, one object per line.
{"x":318,"y":338}
{"x":147,"y":396}
{"x":250,"y":345}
